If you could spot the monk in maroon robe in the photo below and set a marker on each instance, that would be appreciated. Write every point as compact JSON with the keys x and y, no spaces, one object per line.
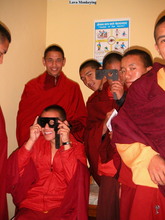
{"x":138,"y":132}
{"x":97,"y":140}
{"x":52,"y":87}
{"x":139,"y":135}
{"x":5,"y":39}
{"x":98,"y":105}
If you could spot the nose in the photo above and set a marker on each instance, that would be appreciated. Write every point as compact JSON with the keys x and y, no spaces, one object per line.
{"x":85,"y":80}
{"x":127,"y":74}
{"x":54,"y":63}
{"x":88,"y":81}
{"x":122,"y":77}
{"x":47,"y":125}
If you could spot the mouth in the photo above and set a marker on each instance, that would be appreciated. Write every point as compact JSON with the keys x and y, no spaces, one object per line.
{"x":128,"y":83}
{"x":48,"y":132}
{"x":54,"y":69}
{"x":91,"y":86}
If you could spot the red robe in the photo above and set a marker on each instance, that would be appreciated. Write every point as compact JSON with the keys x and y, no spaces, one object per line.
{"x":75,"y":199}
{"x":98,"y":104}
{"x":40,"y":93}
{"x":141,"y":122}
{"x":3,"y":160}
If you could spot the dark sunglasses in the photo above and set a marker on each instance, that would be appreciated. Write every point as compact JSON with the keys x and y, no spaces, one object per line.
{"x":52,"y":122}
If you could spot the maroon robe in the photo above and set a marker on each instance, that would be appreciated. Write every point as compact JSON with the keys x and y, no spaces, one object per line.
{"x":3,"y":160}
{"x":98,"y":104}
{"x":41,"y":92}
{"x":142,"y":117}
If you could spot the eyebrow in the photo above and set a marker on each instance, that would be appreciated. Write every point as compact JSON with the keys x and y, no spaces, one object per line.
{"x":132,"y":64}
{"x":86,"y":73}
{"x":162,"y":36}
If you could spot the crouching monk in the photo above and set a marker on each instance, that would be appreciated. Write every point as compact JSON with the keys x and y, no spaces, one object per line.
{"x":49,"y":180}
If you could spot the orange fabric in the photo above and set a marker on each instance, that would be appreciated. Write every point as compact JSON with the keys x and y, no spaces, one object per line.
{"x":137,"y":156}
{"x":161,"y":78}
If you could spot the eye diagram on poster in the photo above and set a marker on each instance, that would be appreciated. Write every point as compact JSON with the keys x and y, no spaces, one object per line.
{"x":111,"y":35}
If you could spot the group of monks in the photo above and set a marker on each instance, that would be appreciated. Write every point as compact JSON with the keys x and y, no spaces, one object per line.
{"x":126,"y":161}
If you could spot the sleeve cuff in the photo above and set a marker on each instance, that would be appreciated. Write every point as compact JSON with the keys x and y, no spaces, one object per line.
{"x":137,"y":156}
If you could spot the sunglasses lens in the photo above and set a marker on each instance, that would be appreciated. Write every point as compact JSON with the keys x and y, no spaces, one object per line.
{"x":41,"y":122}
{"x":50,"y":121}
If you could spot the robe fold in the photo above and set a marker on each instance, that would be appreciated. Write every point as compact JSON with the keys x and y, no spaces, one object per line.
{"x":141,"y":122}
{"x":39,"y":94}
{"x":3,"y":161}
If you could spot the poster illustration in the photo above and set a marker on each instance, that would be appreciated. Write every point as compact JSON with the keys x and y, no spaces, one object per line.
{"x":111,"y":35}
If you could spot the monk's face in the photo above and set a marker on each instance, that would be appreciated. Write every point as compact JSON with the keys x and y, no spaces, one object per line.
{"x":160,"y":39}
{"x":88,"y":77}
{"x":54,"y":63}
{"x":3,"y":49}
{"x":49,"y":133}
{"x":132,"y":67}
{"x":114,"y":65}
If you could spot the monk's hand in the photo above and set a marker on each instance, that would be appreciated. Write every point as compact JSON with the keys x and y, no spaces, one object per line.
{"x":156,"y":170}
{"x":105,"y":121}
{"x":110,"y":134}
{"x":118,"y":88}
{"x":64,"y":131}
{"x":35,"y":130}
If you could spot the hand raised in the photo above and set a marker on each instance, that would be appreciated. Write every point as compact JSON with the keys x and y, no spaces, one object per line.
{"x":35,"y":130}
{"x":118,"y":88}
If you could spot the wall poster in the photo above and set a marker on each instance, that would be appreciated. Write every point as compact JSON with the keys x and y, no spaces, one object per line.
{"x":111,"y":35}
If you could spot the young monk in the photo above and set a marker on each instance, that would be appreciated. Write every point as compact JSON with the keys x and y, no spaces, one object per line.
{"x":98,"y":104}
{"x":138,"y":132}
{"x":51,"y":87}
{"x":49,"y":181}
{"x":135,"y":63}
{"x":114,"y":61}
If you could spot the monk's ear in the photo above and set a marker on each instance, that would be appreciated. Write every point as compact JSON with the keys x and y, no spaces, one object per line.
{"x":156,"y":47}
{"x":43,"y":61}
{"x":64,"y":61}
{"x":149,"y":68}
